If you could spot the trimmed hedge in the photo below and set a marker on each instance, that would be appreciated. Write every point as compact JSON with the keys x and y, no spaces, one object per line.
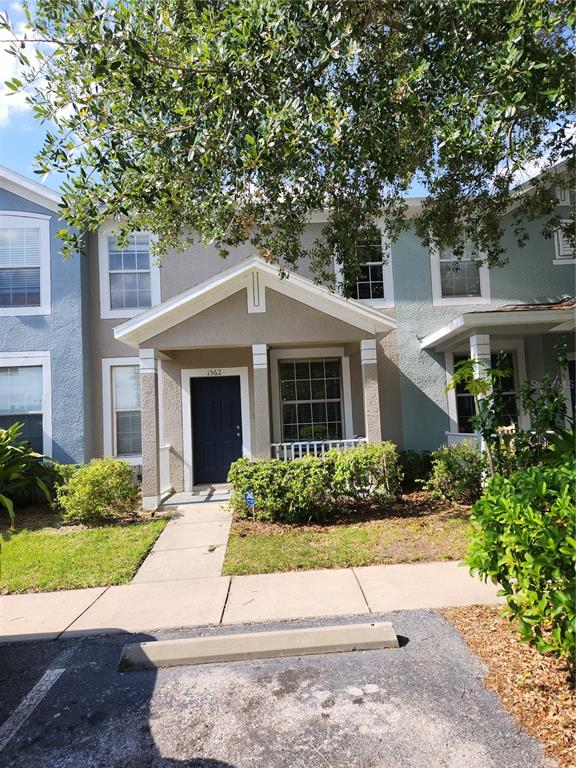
{"x":306,"y":489}
{"x":523,"y":537}
{"x":457,"y":473}
{"x":101,"y":491}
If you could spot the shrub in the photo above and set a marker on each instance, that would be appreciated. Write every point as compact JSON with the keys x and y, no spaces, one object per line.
{"x":52,"y":475}
{"x":101,"y":491}
{"x":306,"y":489}
{"x":522,"y":537}
{"x":369,"y":472}
{"x":286,"y":491}
{"x":457,"y":473}
{"x":20,"y":468}
{"x":416,"y":468}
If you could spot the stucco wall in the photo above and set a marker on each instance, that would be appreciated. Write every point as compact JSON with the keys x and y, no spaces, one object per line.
{"x":64,"y":334}
{"x":529,"y":276}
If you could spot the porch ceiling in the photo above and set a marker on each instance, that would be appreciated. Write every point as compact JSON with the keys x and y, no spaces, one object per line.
{"x":519,"y":320}
{"x":252,"y":277}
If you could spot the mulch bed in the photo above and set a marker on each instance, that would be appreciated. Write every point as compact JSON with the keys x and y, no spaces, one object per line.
{"x":537,"y":690}
{"x":412,"y":506}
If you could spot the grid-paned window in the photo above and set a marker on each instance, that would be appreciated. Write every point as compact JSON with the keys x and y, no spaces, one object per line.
{"x":465,"y":408}
{"x":21,"y":401}
{"x":459,"y":277}
{"x":564,"y":248}
{"x":129,"y":272}
{"x":311,"y":396}
{"x":127,"y":417}
{"x":20,"y":266}
{"x":370,"y":281}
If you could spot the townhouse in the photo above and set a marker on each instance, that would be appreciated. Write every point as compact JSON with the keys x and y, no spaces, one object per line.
{"x":182,"y":367}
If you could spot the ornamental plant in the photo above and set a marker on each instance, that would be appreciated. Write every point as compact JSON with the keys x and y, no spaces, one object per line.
{"x":457,"y":473}
{"x":523,"y":538}
{"x":20,"y":468}
{"x":99,"y":492}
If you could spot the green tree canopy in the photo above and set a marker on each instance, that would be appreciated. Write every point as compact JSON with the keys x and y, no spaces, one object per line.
{"x":234,"y":119}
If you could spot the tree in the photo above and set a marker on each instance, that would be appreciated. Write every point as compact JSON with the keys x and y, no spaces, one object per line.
{"x":234,"y":119}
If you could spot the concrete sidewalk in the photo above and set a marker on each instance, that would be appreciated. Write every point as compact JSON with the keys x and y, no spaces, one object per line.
{"x":192,"y":546}
{"x":171,"y":604}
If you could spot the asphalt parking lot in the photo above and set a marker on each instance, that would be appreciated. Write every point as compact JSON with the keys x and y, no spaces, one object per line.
{"x":422,"y":705}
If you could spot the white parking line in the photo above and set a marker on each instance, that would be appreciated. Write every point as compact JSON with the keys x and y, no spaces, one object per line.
{"x":23,"y":711}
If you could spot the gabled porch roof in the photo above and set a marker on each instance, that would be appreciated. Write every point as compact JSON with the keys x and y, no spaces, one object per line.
{"x":554,"y":316}
{"x":254,"y":275}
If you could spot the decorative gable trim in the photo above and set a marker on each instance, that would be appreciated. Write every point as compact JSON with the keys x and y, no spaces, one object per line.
{"x":243,"y":276}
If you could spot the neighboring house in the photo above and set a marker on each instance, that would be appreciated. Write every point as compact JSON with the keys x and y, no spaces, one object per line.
{"x":44,"y":356}
{"x":198,"y":361}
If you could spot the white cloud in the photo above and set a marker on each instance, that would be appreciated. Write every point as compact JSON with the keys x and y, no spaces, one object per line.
{"x":11,"y":103}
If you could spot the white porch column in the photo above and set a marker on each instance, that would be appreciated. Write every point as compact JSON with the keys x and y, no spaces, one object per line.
{"x":480,"y":351}
{"x":369,"y":361}
{"x":261,"y":439}
{"x":150,"y":429}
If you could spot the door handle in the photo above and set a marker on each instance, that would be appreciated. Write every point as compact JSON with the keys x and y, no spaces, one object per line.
{"x":238,"y":430}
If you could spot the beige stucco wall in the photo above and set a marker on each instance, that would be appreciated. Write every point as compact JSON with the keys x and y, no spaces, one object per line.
{"x":229,"y":323}
{"x":222,"y":337}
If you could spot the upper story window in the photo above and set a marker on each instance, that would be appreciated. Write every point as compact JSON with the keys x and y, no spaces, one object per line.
{"x":374,"y":283}
{"x":24,"y":264}
{"x":459,"y":280}
{"x":564,"y":252}
{"x":129,"y":282}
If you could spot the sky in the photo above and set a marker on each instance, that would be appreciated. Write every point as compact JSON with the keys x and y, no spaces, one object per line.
{"x":21,"y":136}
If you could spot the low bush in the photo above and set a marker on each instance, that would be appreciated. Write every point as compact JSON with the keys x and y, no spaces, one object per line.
{"x":522,"y":537}
{"x":101,"y":491}
{"x":416,"y":468}
{"x":52,"y":475}
{"x":369,"y":472}
{"x":306,"y":489}
{"x":457,"y":473}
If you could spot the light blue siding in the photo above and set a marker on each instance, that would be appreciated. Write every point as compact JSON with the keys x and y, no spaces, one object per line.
{"x":64,"y":334}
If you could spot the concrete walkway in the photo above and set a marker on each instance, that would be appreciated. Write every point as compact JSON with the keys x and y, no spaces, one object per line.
{"x":145,"y":606}
{"x":192,"y":546}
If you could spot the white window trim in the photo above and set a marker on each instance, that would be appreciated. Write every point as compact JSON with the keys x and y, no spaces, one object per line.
{"x":287,"y":354}
{"x":387,"y":275}
{"x":558,"y":259}
{"x":108,"y":414}
{"x":450,"y":301}
{"x":506,"y":345}
{"x":106,"y":312}
{"x":22,"y":360}
{"x":566,"y":387}
{"x":21,"y":219}
{"x":187,"y":449}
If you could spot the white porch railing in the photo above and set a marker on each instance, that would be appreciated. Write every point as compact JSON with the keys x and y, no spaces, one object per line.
{"x":289,"y":451}
{"x":456,"y":438}
{"x":165,"y":486}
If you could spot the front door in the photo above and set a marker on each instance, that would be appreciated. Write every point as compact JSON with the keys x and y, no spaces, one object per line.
{"x":216,"y":427}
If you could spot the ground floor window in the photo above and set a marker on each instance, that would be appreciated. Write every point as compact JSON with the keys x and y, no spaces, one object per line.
{"x":465,"y":408}
{"x":126,"y":404}
{"x":311,"y":397}
{"x":21,"y":401}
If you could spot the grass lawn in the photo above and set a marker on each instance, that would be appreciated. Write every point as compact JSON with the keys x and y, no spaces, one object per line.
{"x":413,"y":530}
{"x":41,"y":556}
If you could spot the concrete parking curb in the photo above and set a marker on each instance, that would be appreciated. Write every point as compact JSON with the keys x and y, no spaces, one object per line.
{"x":259,"y":645}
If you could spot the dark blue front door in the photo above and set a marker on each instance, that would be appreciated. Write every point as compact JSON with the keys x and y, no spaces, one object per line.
{"x":216,"y":427}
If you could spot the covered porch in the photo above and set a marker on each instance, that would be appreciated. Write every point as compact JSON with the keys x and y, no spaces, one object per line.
{"x":527,"y":334}
{"x":251,"y":364}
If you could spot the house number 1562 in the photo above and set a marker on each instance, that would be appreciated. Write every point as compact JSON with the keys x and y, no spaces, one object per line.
{"x":214,"y":371}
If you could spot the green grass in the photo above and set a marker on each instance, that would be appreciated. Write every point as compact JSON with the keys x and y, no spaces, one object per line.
{"x":345,"y":546}
{"x":59,"y":558}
